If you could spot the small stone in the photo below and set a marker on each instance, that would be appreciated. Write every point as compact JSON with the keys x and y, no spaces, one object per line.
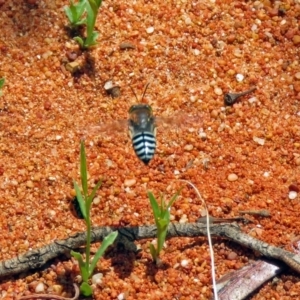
{"x":252,"y":100}
{"x":296,"y":86}
{"x":47,"y":105}
{"x":150,"y":30}
{"x":47,"y":54}
{"x":130,"y":182}
{"x":111,"y":89}
{"x":121,"y":296}
{"x":294,"y":187}
{"x":73,"y":66}
{"x":297,"y":75}
{"x":218,"y":91}
{"x":188,"y":147}
{"x":184,"y":263}
{"x":29,"y":184}
{"x":231,"y":38}
{"x":57,"y":289}
{"x":292,"y":195}
{"x":273,"y":12}
{"x":196,"y":52}
{"x":183,"y":219}
{"x":126,"y":46}
{"x":259,"y":141}
{"x":288,"y":285}
{"x":202,"y":135}
{"x":97,"y":278}
{"x":239,"y":77}
{"x":115,"y":92}
{"x":108,"y":85}
{"x":71,"y":55}
{"x":96,"y":200}
{"x":40,"y":288}
{"x":237,"y":52}
{"x":232,"y":255}
{"x":296,"y":39}
{"x":232,"y":177}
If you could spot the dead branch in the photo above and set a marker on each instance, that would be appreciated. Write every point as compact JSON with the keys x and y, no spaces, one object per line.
{"x":36,"y":258}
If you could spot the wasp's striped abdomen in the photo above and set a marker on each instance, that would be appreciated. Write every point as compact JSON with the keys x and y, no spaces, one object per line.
{"x":144,"y":145}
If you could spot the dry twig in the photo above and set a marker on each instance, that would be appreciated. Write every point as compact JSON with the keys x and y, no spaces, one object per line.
{"x":36,"y":258}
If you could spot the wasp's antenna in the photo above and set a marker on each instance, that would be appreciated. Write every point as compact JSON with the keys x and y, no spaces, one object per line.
{"x":146,"y":87}
{"x":134,"y":93}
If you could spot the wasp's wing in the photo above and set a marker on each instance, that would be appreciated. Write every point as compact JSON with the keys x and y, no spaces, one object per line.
{"x":108,"y":128}
{"x":179,"y":120}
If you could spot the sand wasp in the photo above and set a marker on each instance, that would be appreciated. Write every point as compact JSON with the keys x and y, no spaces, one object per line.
{"x":142,"y":124}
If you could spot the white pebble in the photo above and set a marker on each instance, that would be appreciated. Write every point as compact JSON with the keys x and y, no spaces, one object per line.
{"x":183,"y":219}
{"x":108,"y":163}
{"x":96,"y":200}
{"x":176,"y":172}
{"x":297,"y":75}
{"x":150,"y":30}
{"x":184,"y":263}
{"x":108,"y":85}
{"x":121,"y":296}
{"x":40,"y":288}
{"x":129,"y":182}
{"x":266,"y":174}
{"x":202,"y":135}
{"x":187,"y":20}
{"x":97,"y":278}
{"x":188,"y":147}
{"x":193,"y":98}
{"x":254,"y":27}
{"x":232,"y":177}
{"x":218,"y":91}
{"x":258,"y":140}
{"x":292,"y":195}
{"x":196,"y":52}
{"x":252,"y":100}
{"x":51,"y":213}
{"x":237,"y":52}
{"x":239,"y":77}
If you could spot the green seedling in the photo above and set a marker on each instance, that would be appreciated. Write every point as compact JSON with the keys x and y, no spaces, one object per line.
{"x":75,"y":13}
{"x":85,"y":202}
{"x":92,"y":9}
{"x":2,"y":81}
{"x":162,"y":220}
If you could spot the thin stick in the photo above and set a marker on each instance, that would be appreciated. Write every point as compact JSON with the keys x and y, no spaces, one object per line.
{"x":212,"y":258}
{"x":53,"y":297}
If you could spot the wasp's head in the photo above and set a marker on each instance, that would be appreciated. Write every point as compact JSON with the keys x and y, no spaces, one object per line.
{"x":140,"y":108}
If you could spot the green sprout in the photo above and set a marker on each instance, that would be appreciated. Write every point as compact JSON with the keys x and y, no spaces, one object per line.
{"x":85,"y":203}
{"x":2,"y":81}
{"x":162,"y":220}
{"x":75,"y":15}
